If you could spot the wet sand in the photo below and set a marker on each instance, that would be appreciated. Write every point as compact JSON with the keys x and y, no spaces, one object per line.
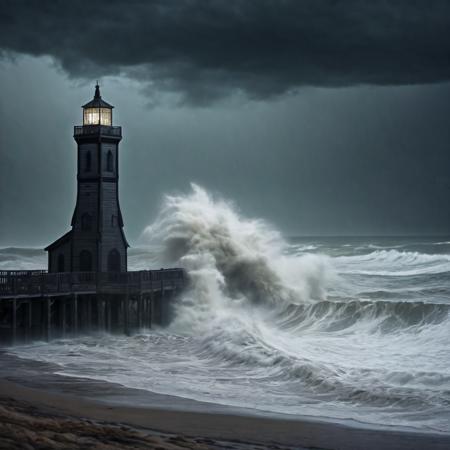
{"x":25,"y":425}
{"x":39,"y":409}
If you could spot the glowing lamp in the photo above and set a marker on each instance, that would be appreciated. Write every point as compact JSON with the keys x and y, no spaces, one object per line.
{"x":97,"y":111}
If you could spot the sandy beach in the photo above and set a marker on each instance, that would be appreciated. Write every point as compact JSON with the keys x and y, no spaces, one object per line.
{"x":39,"y":409}
{"x":36,"y":425}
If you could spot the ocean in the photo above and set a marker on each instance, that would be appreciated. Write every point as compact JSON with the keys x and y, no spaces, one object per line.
{"x":338,"y":328}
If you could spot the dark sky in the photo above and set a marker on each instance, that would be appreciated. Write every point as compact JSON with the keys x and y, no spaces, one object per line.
{"x":323,"y":117}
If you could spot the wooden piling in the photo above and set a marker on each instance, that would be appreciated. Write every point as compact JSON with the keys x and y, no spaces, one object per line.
{"x":88,"y":313}
{"x":147,"y":311}
{"x":109,"y":313}
{"x":75,"y":313}
{"x":14,"y":320}
{"x":29,"y":321}
{"x":162,"y":305}
{"x":140,"y":311}
{"x":126,"y":314}
{"x":63,"y":317}
{"x":98,"y":305}
{"x":150,"y":311}
{"x":152,"y":308}
{"x":48,"y":302}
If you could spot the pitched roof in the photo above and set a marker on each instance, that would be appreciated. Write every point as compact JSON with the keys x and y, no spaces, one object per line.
{"x":62,"y":240}
{"x":97,"y":101}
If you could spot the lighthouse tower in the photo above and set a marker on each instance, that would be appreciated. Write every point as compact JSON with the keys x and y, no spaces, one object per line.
{"x":96,"y":242}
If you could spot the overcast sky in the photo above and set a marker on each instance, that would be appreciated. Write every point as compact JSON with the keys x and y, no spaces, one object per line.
{"x":323,"y":117}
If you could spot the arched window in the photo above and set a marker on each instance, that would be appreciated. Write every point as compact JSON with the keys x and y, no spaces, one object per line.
{"x":61,"y":263}
{"x":88,"y":162}
{"x":85,"y":261}
{"x":109,"y":162}
{"x":86,"y":222}
{"x":114,"y":261}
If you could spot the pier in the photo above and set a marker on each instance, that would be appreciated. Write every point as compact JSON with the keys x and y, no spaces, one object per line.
{"x":40,"y":305}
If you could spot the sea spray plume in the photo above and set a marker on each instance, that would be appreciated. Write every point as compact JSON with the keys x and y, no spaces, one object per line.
{"x":231,"y":259}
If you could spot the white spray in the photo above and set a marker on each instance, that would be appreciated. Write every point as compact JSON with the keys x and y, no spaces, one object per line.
{"x":232,"y":262}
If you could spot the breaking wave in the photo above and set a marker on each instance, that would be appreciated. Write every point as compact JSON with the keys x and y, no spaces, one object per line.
{"x":258,"y":304}
{"x":395,"y":263}
{"x":232,"y":262}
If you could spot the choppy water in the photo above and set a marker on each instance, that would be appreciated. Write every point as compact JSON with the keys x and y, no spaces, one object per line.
{"x":333,"y":327}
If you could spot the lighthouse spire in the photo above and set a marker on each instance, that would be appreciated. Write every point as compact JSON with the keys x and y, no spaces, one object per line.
{"x":97,"y":91}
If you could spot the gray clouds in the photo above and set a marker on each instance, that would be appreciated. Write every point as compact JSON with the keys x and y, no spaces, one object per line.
{"x":204,"y":50}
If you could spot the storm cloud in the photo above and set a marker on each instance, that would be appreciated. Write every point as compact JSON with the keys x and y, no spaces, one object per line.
{"x":205,"y":50}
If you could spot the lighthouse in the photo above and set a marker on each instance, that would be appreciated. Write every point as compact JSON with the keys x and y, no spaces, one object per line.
{"x":96,"y":241}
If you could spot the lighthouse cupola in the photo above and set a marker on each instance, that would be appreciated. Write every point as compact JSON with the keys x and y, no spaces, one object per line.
{"x":97,"y":111}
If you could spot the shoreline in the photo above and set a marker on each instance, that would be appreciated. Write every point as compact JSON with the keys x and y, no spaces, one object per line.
{"x":26,"y":424}
{"x":32,"y":386}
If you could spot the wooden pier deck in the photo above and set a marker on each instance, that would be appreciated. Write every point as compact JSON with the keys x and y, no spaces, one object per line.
{"x":40,"y":305}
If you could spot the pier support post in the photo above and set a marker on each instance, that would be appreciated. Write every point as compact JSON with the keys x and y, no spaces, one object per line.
{"x":139,"y":311}
{"x":63,"y":317}
{"x":98,"y":308}
{"x":152,"y":308}
{"x":108,"y":308}
{"x":29,"y":320}
{"x":101,"y":312}
{"x":126,"y":313}
{"x":75,"y":313}
{"x":49,"y":318}
{"x":14,"y":320}
{"x":162,"y":305}
{"x":147,"y":312}
{"x":88,"y":313}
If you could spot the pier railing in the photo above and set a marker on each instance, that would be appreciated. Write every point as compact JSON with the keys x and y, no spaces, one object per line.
{"x":15,"y":283}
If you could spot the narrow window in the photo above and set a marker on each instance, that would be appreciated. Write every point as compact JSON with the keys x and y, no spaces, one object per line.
{"x":114,"y":261}
{"x":88,"y":162}
{"x":61,"y":263}
{"x":85,"y":261}
{"x":109,"y":161}
{"x":86,"y":222}
{"x":113,"y":221}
